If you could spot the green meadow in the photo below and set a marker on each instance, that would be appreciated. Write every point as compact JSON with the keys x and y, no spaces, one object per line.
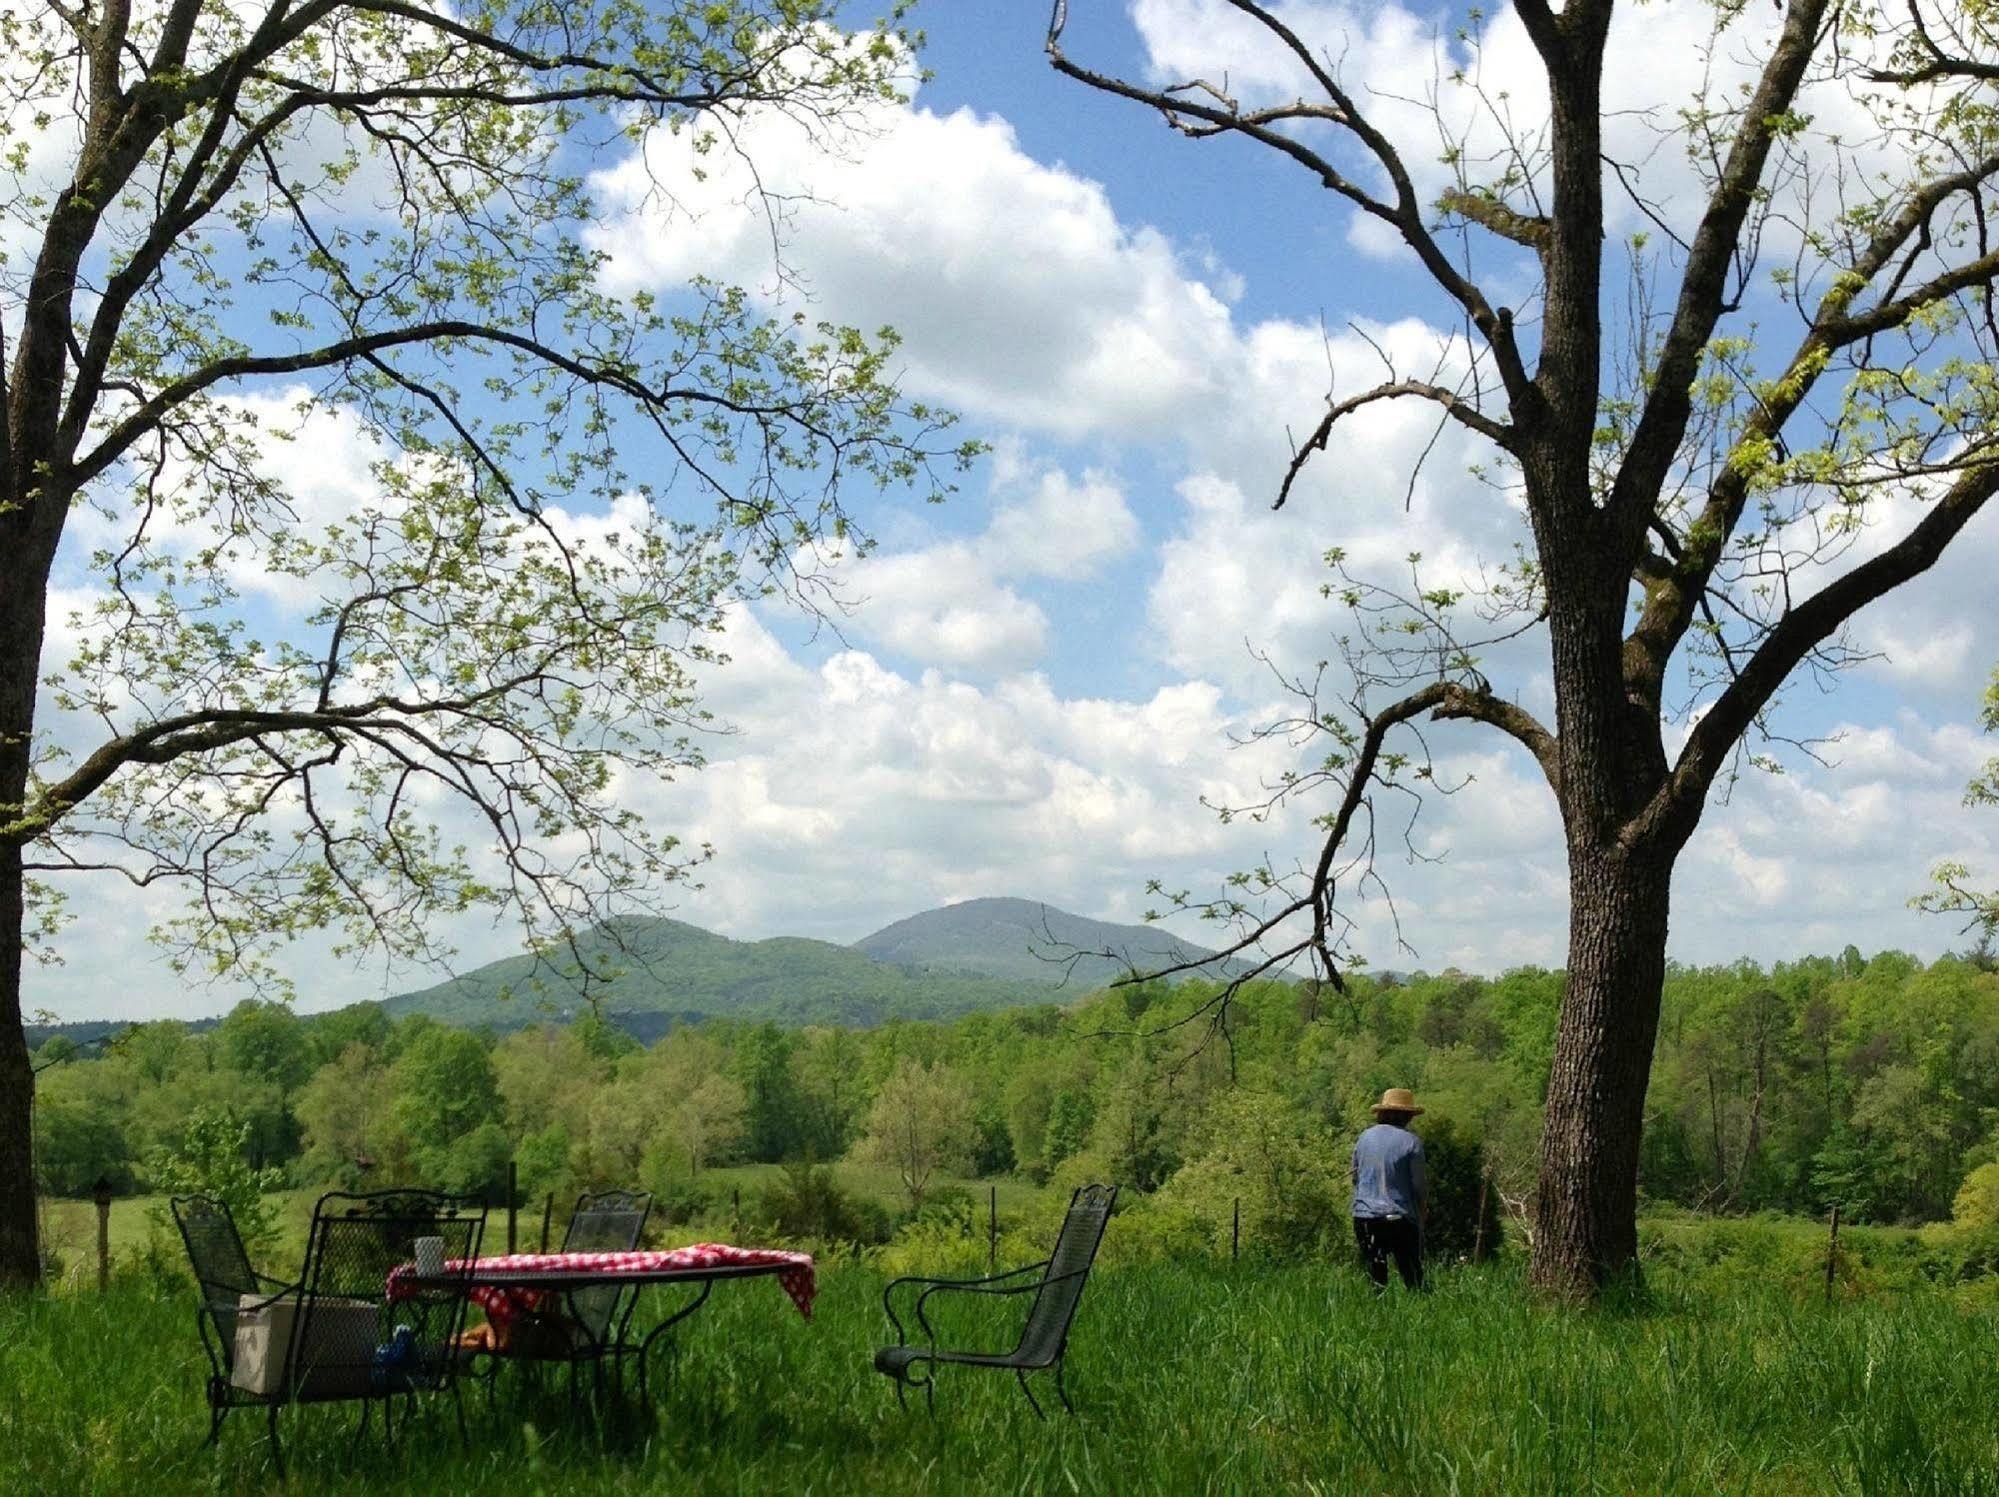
{"x":1187,"y":1376}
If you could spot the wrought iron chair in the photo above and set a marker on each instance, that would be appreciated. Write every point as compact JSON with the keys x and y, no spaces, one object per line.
{"x":589,"y":1325}
{"x":336,"y":1336}
{"x":1057,"y":1285}
{"x":223,"y":1274}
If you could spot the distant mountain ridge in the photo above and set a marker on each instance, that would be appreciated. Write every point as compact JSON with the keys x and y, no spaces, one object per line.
{"x":668,"y":969}
{"x":1025,"y":940}
{"x":980,"y":955}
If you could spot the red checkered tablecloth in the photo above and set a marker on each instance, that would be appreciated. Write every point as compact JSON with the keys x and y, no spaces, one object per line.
{"x":506,"y":1303}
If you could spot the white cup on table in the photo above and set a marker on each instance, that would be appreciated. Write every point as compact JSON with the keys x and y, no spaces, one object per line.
{"x":430,"y":1257}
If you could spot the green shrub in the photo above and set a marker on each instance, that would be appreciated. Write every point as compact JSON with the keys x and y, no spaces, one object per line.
{"x":1262,"y":1152}
{"x":1455,"y":1158}
{"x":680,"y":1199}
{"x":807,"y":1203}
{"x":208,"y":1160}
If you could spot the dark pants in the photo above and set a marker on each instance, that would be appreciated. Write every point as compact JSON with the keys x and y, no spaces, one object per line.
{"x":1381,"y":1239}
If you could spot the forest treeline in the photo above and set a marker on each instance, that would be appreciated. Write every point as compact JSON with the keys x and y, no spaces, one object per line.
{"x":1872,"y":1083}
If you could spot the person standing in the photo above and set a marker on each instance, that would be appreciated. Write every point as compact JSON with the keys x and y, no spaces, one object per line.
{"x":1391,"y":1191}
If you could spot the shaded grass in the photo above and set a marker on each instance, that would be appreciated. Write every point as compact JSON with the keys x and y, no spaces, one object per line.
{"x":1188,"y":1377}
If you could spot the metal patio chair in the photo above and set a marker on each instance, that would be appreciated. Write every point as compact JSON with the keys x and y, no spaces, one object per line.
{"x":1056,"y":1284}
{"x":223,"y":1274}
{"x":334,"y":1336}
{"x":586,"y":1326}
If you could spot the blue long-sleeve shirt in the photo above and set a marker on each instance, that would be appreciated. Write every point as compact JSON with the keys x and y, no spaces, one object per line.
{"x":1388,"y":1175}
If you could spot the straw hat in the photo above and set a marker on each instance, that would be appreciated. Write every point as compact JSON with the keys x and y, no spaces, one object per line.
{"x":1398,"y":1099}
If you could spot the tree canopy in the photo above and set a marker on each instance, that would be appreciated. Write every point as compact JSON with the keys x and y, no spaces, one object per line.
{"x":337,"y":493}
{"x":1730,"y":359}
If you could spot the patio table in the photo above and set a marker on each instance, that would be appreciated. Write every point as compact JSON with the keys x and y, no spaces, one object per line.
{"x":517,"y":1284}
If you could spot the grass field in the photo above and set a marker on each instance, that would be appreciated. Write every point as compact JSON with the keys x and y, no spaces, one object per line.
{"x":1188,"y":1377}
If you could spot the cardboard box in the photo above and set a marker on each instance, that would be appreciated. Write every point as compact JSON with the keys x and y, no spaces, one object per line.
{"x":334,"y":1360}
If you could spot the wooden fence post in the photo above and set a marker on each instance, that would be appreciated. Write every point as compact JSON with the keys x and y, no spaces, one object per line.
{"x":992,"y":1229}
{"x":513,"y":1201}
{"x":1478,"y":1235}
{"x":736,"y":1214}
{"x":547,"y":1215}
{"x":1832,"y":1253}
{"x":101,"y":1194}
{"x":1235,"y":1232}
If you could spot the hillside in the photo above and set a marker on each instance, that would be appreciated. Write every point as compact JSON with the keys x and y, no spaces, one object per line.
{"x":672,"y":970}
{"x":980,"y":955}
{"x":1023,"y":940}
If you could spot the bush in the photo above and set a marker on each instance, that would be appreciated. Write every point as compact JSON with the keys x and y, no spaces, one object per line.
{"x":949,"y":1205}
{"x":1287,"y":1174}
{"x":208,"y":1160}
{"x":1456,"y":1163}
{"x":1718,"y":1255}
{"x":680,"y":1199}
{"x":807,"y":1202}
{"x":1971,"y":1241}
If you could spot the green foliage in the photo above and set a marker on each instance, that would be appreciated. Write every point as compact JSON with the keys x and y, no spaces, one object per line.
{"x":77,"y":1143}
{"x":208,"y":1159}
{"x":920,"y":1125}
{"x":1870,"y":1083}
{"x":1459,"y":1190}
{"x":763,"y":1070}
{"x":1973,"y":1234}
{"x":992,"y":1141}
{"x":543,"y":1162}
{"x":1976,"y":1208}
{"x":807,"y":1204}
{"x":266,"y":1042}
{"x":1070,"y":1118}
{"x":1287,"y":1172}
{"x":447,"y":1104}
{"x":344,"y":1114}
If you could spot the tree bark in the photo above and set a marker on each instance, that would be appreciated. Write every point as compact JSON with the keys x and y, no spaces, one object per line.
{"x":20,"y":656}
{"x":30,"y":525}
{"x":20,"y":1253}
{"x":1585,"y":1217}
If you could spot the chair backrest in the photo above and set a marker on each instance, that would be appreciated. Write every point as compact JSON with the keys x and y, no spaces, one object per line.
{"x":611,"y":1221}
{"x":345,"y":1317}
{"x":1068,"y":1270}
{"x":221,"y":1264}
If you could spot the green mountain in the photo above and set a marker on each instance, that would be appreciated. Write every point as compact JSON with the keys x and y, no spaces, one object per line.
{"x":669,"y":970}
{"x":980,"y":955}
{"x":1023,"y":940}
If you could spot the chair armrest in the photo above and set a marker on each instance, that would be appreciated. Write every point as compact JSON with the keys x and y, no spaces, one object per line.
{"x":934,"y":1284}
{"x":984,"y":1286}
{"x":283,"y":1291}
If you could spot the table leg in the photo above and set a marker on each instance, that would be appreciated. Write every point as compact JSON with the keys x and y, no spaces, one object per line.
{"x":663,"y":1328}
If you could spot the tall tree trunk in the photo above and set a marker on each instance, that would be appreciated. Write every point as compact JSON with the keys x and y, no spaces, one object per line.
{"x":20,"y":1254}
{"x":27,"y":539}
{"x":1585,"y":1217}
{"x":20,"y":656}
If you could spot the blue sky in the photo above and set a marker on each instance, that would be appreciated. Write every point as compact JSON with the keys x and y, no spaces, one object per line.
{"x":1040,"y":680}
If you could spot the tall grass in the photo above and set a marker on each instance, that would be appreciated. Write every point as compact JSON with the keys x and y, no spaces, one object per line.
{"x":1188,"y":1377}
